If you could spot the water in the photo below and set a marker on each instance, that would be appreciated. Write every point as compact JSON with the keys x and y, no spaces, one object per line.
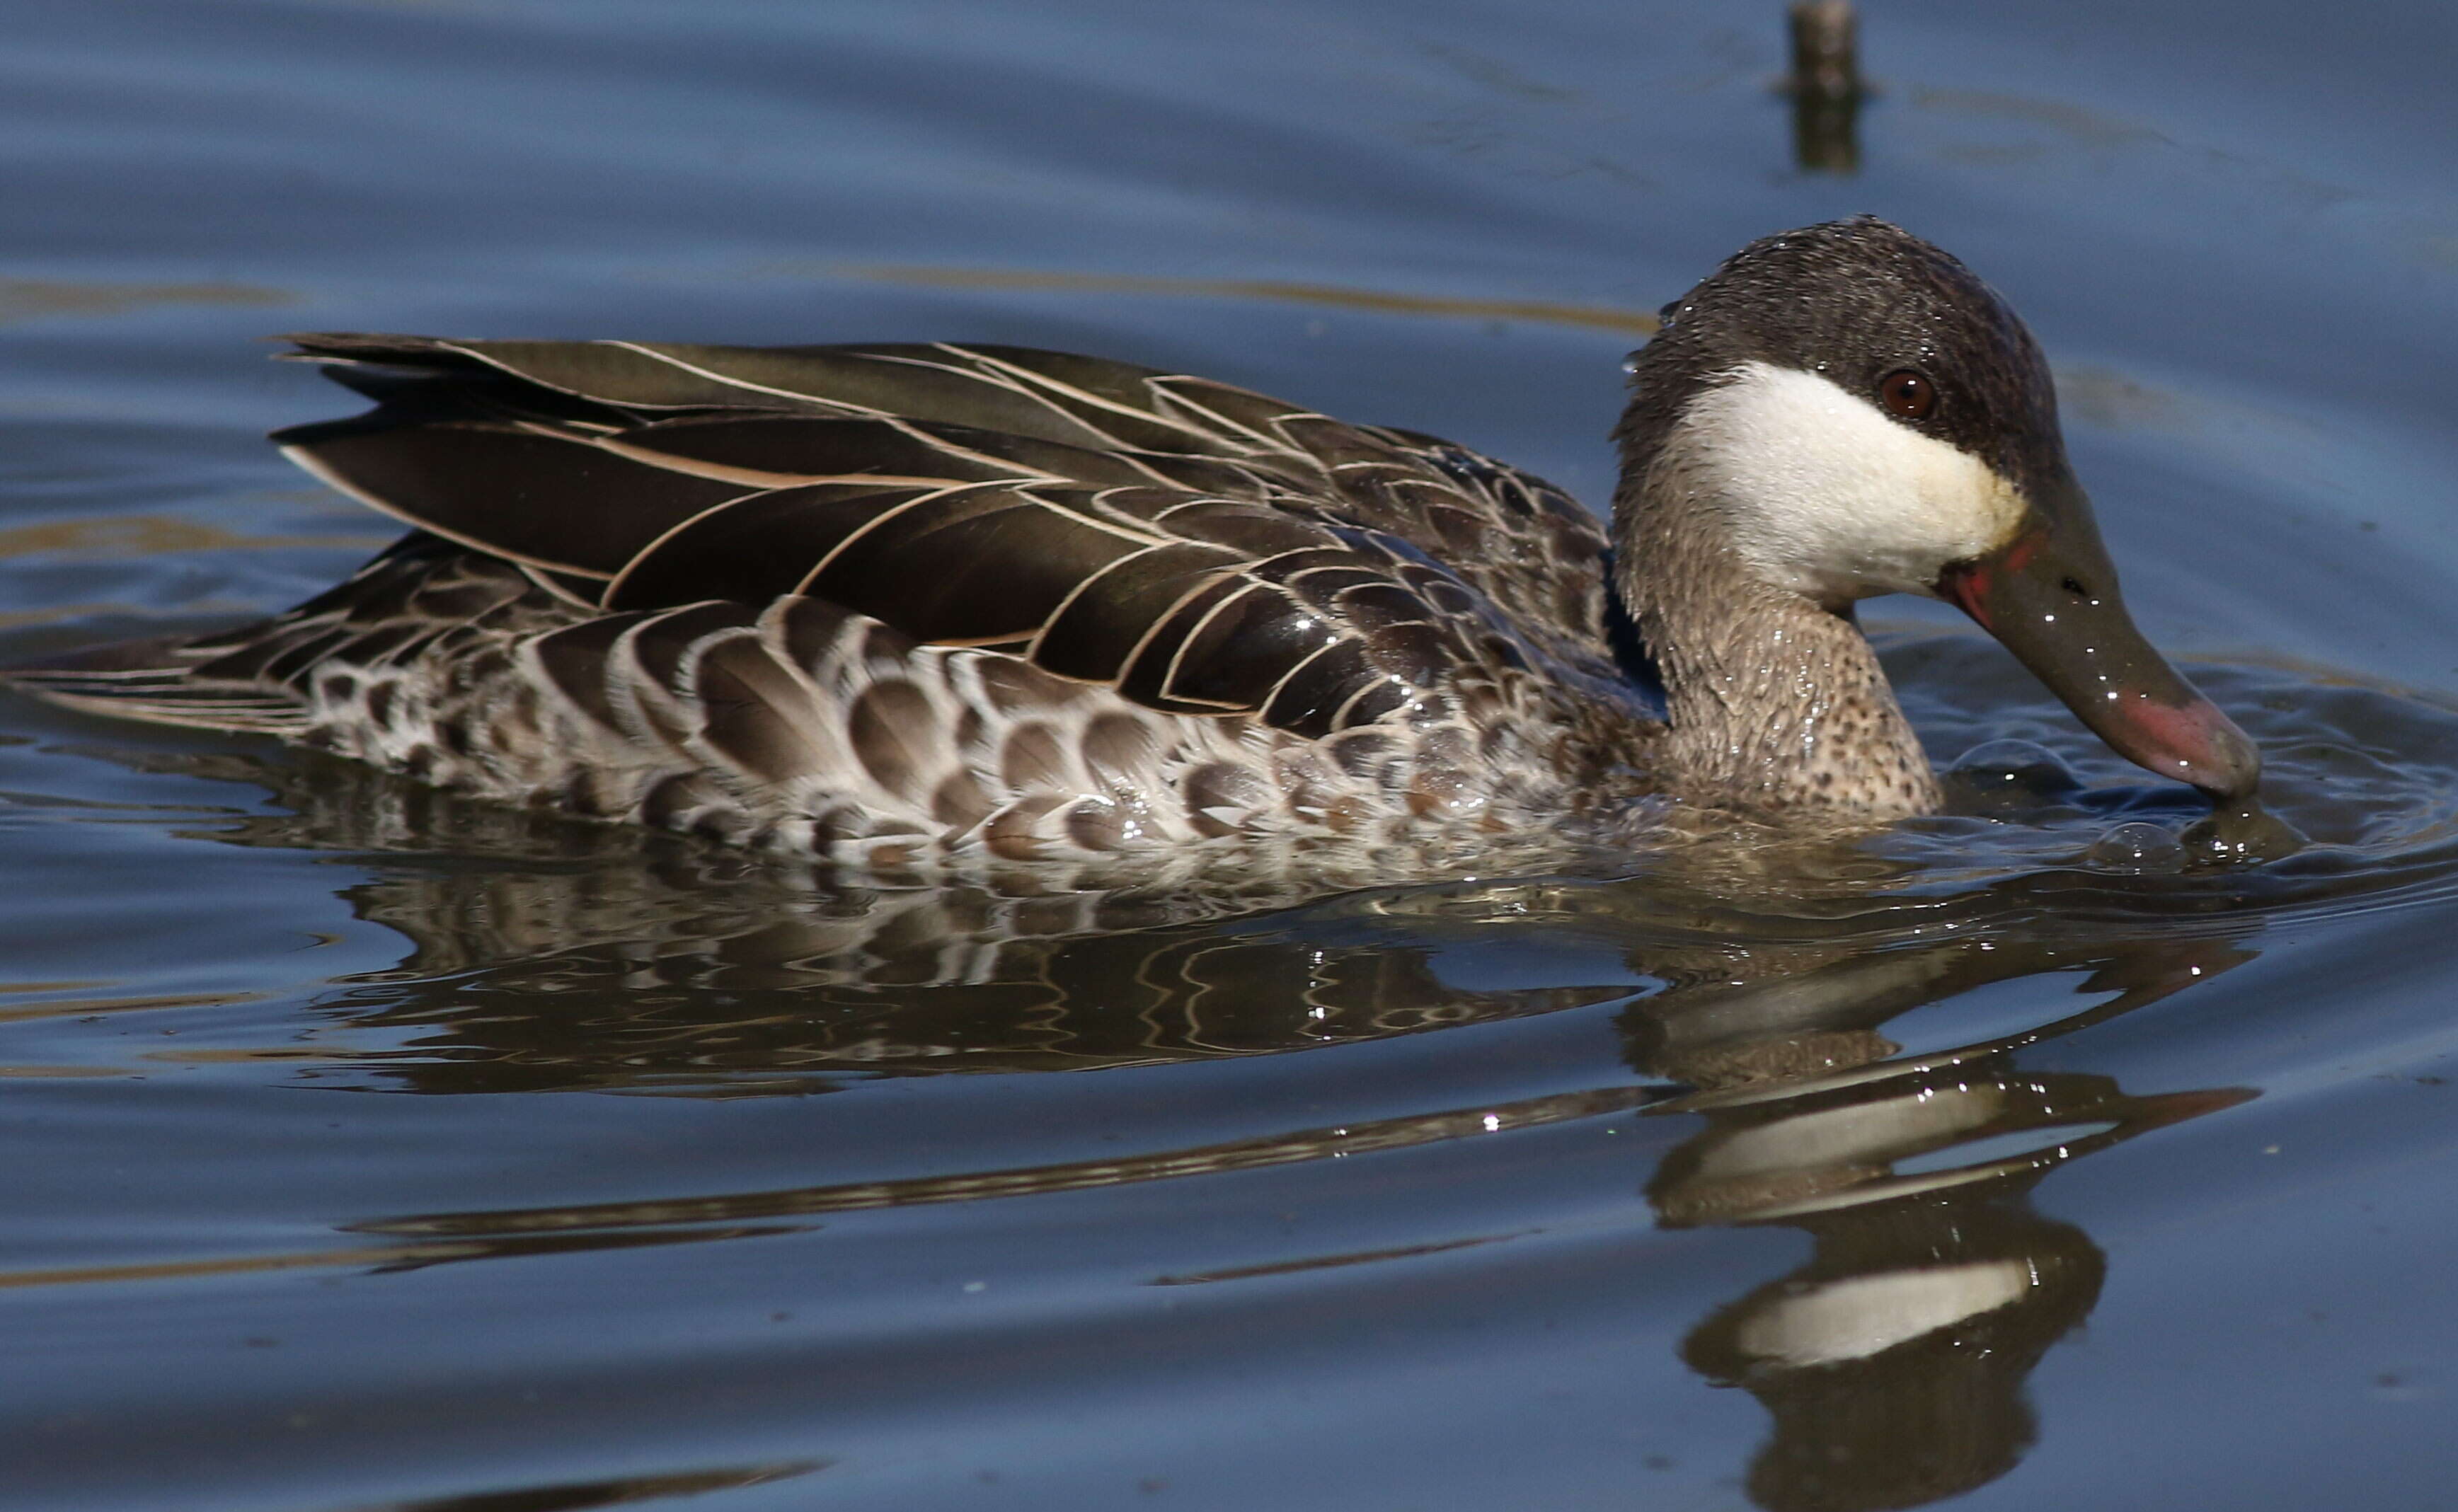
{"x":370,"y":1150}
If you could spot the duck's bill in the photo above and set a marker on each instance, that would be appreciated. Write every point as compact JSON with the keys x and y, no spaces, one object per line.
{"x":2051,"y":597}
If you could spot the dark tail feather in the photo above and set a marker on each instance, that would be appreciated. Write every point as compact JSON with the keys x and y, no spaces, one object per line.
{"x":154,"y":679}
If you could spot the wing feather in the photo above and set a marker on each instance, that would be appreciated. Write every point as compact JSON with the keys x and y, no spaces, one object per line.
{"x":1198,"y":547}
{"x":547,"y":499}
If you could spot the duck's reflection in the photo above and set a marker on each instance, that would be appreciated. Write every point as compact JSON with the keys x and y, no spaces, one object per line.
{"x":549,"y":955}
{"x":1893,"y":1361}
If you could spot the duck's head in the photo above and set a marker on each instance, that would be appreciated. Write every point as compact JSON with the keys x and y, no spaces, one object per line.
{"x":1862,"y":415}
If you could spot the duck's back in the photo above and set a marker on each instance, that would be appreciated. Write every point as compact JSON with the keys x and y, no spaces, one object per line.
{"x":879,"y":602}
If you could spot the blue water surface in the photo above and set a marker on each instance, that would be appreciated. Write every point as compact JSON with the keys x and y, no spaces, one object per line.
{"x":360,"y":1147}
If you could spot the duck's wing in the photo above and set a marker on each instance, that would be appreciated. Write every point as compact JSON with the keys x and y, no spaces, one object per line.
{"x":1200,"y":548}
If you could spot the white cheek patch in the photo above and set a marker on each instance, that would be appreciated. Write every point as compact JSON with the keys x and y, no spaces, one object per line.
{"x":1830,"y":497}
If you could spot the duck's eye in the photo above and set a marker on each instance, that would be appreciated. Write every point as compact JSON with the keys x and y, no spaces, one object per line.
{"x":1907,"y":394}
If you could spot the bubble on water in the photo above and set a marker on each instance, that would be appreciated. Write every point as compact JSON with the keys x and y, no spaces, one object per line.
{"x":2138,"y":846}
{"x":2244,"y":831}
{"x":1997,"y":776}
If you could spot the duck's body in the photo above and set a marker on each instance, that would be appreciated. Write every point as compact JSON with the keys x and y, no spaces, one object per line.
{"x":883,"y":604}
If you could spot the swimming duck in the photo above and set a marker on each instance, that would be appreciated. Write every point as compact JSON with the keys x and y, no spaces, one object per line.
{"x":878,"y":604}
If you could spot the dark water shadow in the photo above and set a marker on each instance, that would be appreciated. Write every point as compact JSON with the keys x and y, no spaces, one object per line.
{"x":577,"y":1496}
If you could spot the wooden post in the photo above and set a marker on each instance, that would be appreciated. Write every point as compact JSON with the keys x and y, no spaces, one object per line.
{"x":1826,"y":85}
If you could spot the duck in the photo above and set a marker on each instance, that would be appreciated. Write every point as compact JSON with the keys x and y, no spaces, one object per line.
{"x":879,"y":605}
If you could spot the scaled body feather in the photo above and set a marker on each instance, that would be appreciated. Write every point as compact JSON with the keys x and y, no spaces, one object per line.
{"x":890,"y":604}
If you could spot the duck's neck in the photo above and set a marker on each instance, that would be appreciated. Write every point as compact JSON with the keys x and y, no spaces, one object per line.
{"x":1775,"y":703}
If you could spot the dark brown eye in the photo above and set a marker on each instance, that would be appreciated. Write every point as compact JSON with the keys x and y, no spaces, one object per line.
{"x":1907,"y":394}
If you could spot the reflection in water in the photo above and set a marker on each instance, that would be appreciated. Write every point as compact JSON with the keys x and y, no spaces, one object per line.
{"x":551,"y":955}
{"x":1381,"y":301}
{"x":156,"y":534}
{"x":1755,"y":989}
{"x":621,"y":1491}
{"x":412,"y":1256}
{"x":35,"y":299}
{"x":1893,"y":1360}
{"x":1078,"y":1175}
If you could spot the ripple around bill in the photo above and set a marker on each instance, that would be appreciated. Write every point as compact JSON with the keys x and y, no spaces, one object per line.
{"x":2367,"y":772}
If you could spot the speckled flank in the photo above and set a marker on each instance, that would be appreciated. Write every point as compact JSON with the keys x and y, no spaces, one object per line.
{"x":1069,"y":653}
